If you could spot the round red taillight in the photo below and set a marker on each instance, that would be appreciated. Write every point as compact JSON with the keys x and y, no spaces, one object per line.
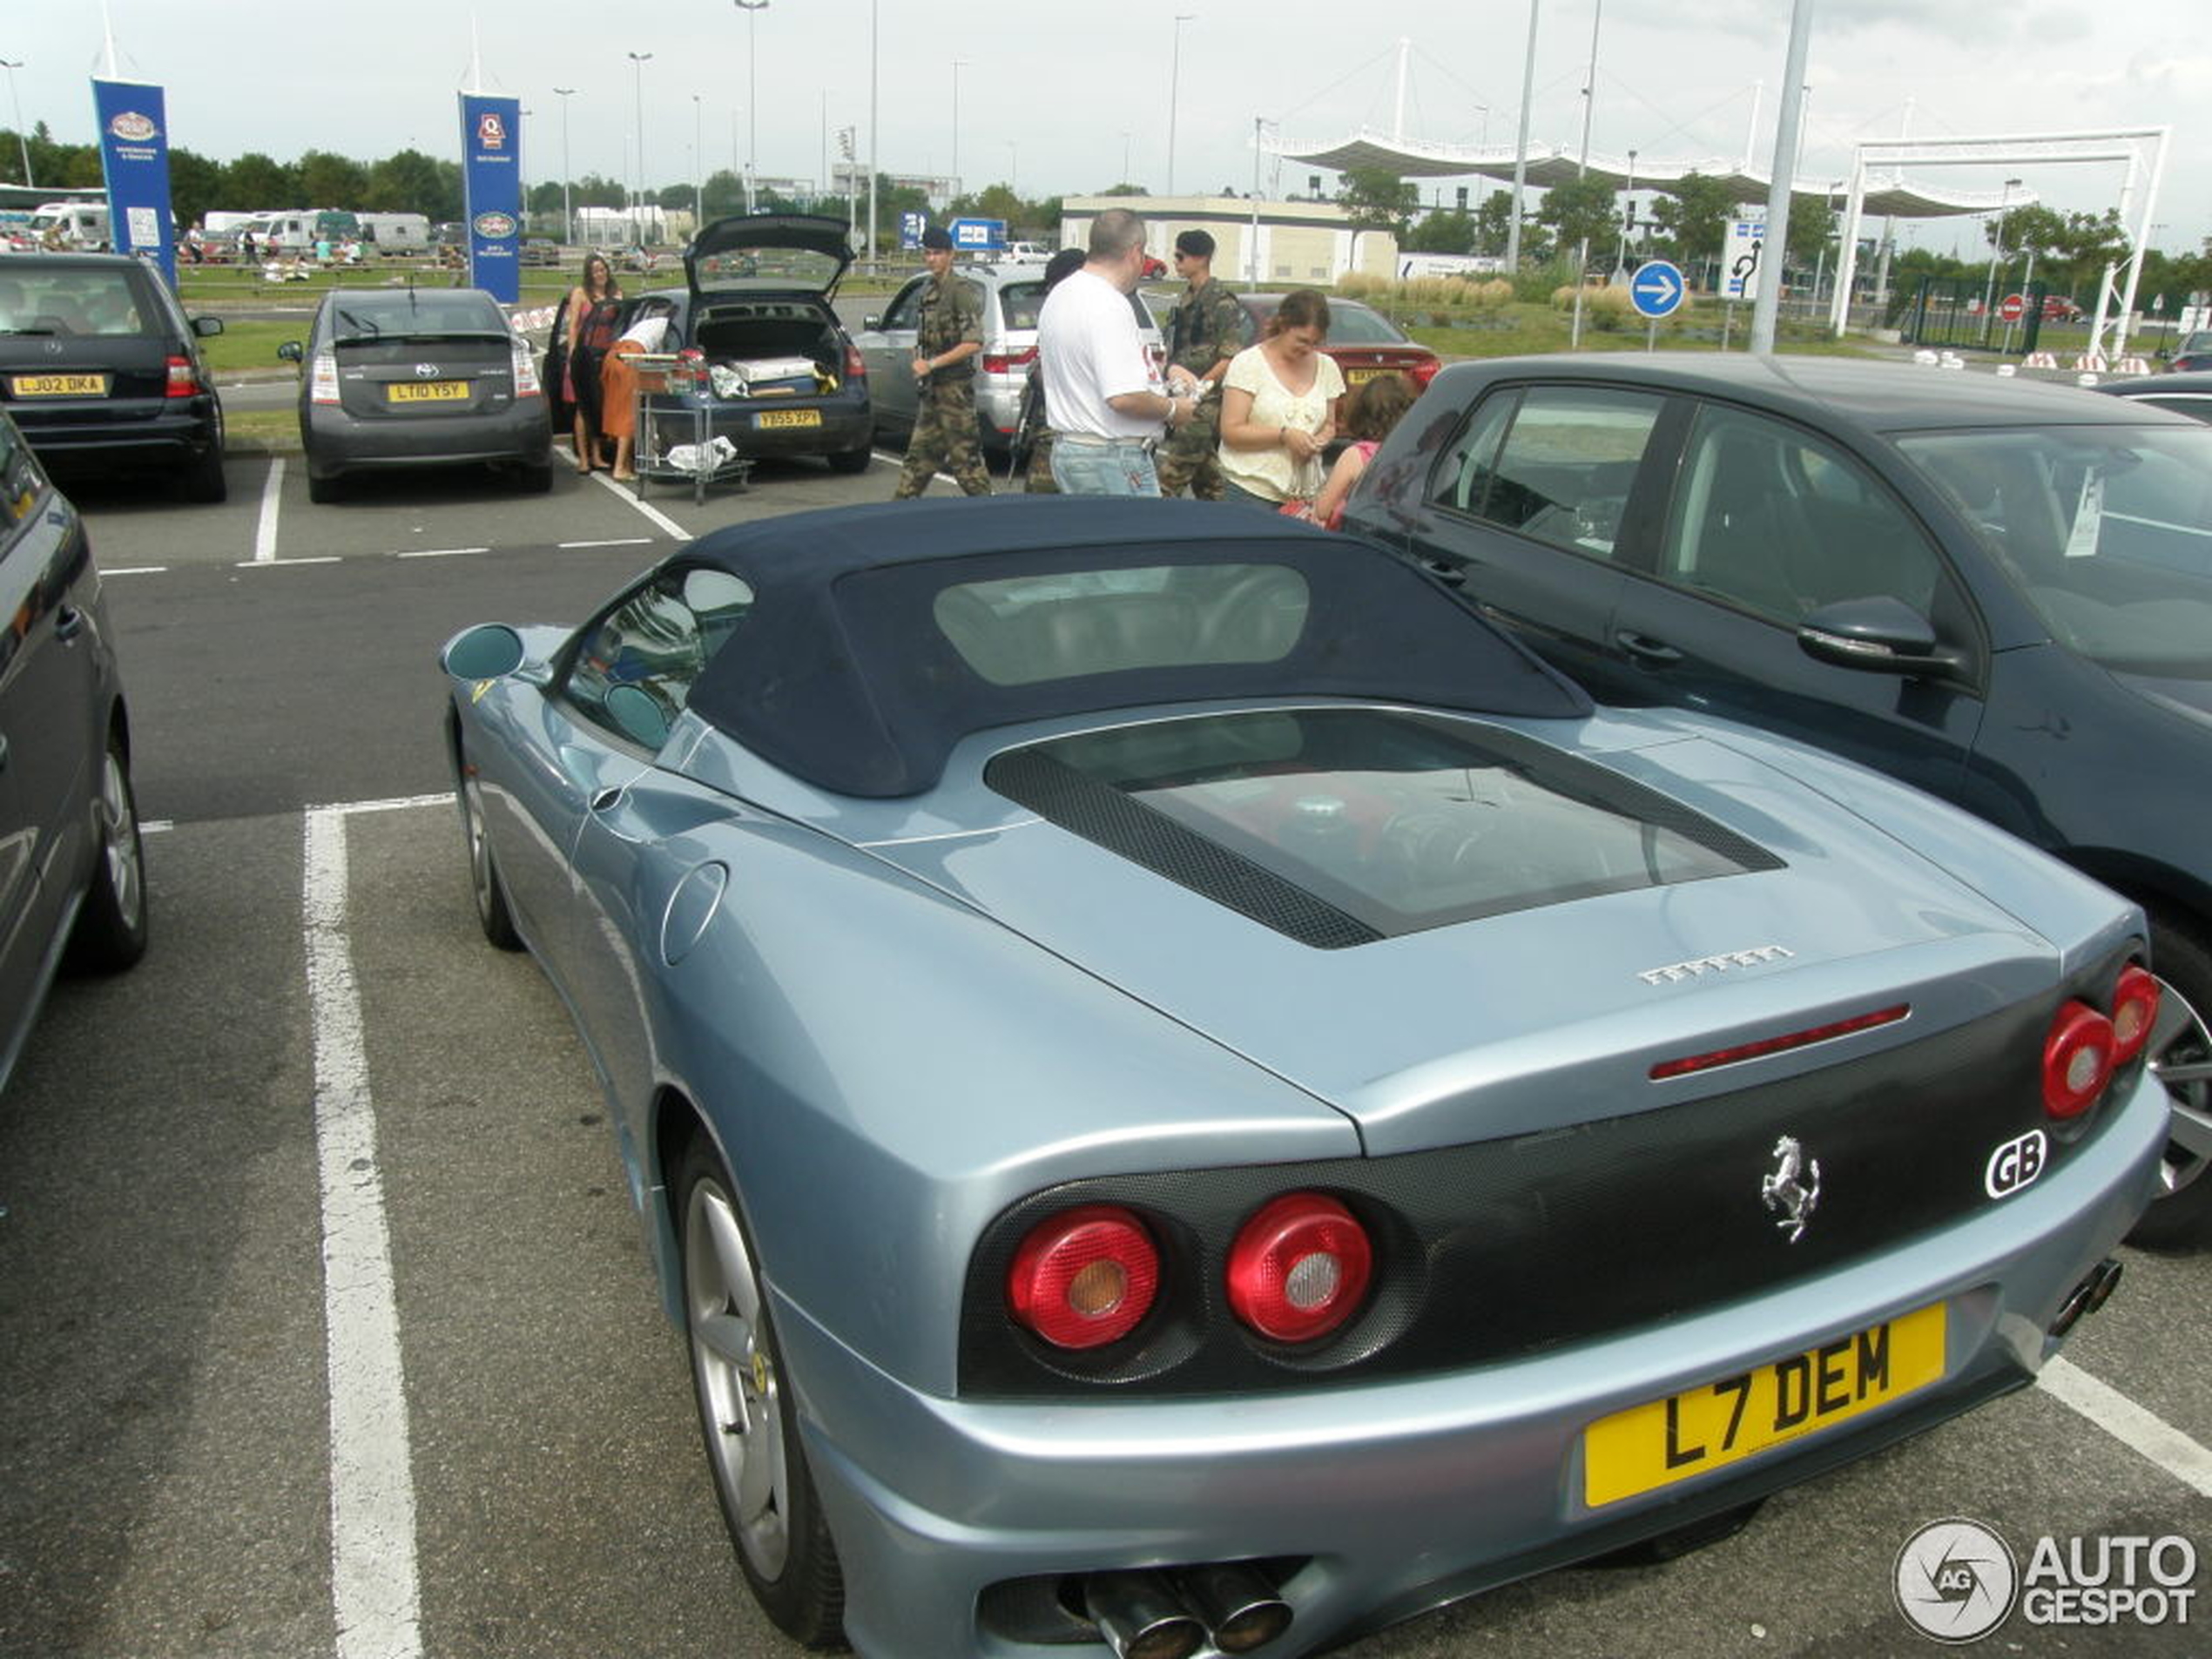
{"x":2077,"y":1059}
{"x":2134,"y":1011}
{"x":1300,"y":1267}
{"x":1084,"y":1278}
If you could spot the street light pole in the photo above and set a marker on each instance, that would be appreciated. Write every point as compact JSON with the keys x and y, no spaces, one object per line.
{"x":1520,"y":148}
{"x":875,"y":59}
{"x":22,"y":142}
{"x":752,"y":8}
{"x":1996,"y":259}
{"x":1175,"y":84}
{"x":639,"y":61}
{"x":568,"y":173}
{"x":699,"y":167}
{"x":957,"y":65}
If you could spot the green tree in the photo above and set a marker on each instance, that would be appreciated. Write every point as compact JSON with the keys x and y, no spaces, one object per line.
{"x":1694,"y":215}
{"x":1811,"y":232}
{"x":195,"y":186}
{"x":328,"y":180}
{"x":1579,"y":209}
{"x":409,"y":182}
{"x":254,"y":183}
{"x":1493,"y":223}
{"x":1378,"y":199}
{"x":1441,"y":233}
{"x":725,"y":194}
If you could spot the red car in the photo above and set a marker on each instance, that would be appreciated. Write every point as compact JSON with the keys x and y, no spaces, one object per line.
{"x":1364,"y":341}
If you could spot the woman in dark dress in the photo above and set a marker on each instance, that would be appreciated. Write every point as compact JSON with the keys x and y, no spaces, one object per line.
{"x":589,"y":321}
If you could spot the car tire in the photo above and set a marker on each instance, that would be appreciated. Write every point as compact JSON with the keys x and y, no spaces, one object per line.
{"x":203,"y":479}
{"x":746,"y":1413}
{"x":850,"y":461}
{"x":493,"y":914}
{"x":110,"y":930}
{"x":322,"y":487}
{"x":2180,"y":1056}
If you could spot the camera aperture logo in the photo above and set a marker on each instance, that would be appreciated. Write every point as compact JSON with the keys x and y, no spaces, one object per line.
{"x":1958,"y":1580}
{"x":1955,"y":1580}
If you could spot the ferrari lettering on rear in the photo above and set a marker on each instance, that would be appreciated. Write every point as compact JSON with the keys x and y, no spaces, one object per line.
{"x":1699,"y":966}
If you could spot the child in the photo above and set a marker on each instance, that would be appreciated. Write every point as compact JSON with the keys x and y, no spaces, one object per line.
{"x":1369,"y":414}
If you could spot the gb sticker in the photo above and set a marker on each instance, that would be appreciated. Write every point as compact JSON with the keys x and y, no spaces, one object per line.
{"x":2015,"y":1164}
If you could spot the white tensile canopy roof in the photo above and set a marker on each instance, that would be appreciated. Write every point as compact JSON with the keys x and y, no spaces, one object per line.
{"x":1559,"y":165}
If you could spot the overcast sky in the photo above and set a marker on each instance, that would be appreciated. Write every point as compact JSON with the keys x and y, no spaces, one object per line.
{"x":1053,"y":93}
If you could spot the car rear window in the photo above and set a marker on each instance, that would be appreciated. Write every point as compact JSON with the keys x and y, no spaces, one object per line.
{"x":1340,"y":827}
{"x":72,"y":302}
{"x":1020,"y":302}
{"x":416,"y":314}
{"x":1023,"y":629}
{"x":1358,"y":325}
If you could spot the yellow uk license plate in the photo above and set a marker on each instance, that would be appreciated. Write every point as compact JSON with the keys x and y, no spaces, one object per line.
{"x":788,"y":417}
{"x":60,"y":385}
{"x":426,"y":392}
{"x":1354,"y":376}
{"x":1664,"y":1440}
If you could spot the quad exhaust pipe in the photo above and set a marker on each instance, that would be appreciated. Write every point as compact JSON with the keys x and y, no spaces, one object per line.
{"x":1174,"y":1614}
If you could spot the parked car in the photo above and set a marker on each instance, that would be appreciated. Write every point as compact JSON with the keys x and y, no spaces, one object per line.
{"x":1012,"y":295}
{"x":417,"y":377}
{"x":540,"y":251}
{"x":2194,"y":353}
{"x":72,"y":885}
{"x":2184,"y":393}
{"x":1997,"y":591}
{"x":1183,"y":1089}
{"x":101,"y":370}
{"x":1364,"y":341}
{"x":779,"y":377}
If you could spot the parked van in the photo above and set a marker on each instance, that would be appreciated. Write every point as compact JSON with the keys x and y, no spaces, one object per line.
{"x":284,"y":233}
{"x":396,"y":232}
{"x":74,"y":224}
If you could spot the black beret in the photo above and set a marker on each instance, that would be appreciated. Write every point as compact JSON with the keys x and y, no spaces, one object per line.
{"x":937,"y":238}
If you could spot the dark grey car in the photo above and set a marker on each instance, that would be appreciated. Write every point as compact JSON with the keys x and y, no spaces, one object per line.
{"x":418,"y":377}
{"x":71,"y":887}
{"x":101,"y":370}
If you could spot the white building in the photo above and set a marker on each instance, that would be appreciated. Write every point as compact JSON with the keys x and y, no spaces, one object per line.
{"x":1297,"y":244}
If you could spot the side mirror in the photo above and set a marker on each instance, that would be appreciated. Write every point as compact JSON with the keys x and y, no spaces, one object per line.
{"x":1876,"y":634}
{"x":489,"y":651}
{"x":204,"y":326}
{"x":292,"y":352}
{"x":633,"y":709}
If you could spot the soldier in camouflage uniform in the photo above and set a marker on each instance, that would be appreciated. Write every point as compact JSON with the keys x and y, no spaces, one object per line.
{"x":1206,"y":328}
{"x":945,"y":345}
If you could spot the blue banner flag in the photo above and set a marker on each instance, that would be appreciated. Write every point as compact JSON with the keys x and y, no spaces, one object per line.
{"x":491,"y":186}
{"x":134,"y":156}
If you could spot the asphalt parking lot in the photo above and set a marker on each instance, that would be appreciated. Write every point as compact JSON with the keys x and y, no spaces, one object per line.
{"x":317,"y":1207}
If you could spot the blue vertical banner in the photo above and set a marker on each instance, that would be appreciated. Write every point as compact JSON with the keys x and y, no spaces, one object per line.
{"x":134,"y":156}
{"x":491,"y":193}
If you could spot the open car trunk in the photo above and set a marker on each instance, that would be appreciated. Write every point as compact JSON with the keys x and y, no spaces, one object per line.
{"x":766,"y":329}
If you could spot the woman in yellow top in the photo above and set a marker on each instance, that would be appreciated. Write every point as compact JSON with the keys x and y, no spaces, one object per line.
{"x":1279,"y":406}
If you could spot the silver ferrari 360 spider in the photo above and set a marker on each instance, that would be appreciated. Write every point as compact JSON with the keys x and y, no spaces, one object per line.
{"x":1190,"y":1097}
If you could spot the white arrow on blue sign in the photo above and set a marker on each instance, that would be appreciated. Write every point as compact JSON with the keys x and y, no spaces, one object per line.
{"x":1656,"y":289}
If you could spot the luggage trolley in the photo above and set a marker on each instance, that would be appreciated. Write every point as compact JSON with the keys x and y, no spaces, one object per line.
{"x":675,"y":441}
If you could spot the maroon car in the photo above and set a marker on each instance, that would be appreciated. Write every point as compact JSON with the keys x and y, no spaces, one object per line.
{"x":1364,"y":341}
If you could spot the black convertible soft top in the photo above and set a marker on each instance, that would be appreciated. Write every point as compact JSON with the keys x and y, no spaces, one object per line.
{"x":845,"y":671}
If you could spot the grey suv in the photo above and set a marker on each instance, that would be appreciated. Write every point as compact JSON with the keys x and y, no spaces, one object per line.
{"x":71,"y":882}
{"x":1011,"y":296}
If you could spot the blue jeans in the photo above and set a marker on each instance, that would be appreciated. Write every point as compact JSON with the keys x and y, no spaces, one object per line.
{"x":1084,"y":468}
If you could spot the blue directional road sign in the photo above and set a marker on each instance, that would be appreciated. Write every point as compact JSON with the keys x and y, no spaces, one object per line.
{"x":1656,"y":289}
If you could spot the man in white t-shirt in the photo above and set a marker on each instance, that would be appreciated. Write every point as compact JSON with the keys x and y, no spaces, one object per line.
{"x":1104,"y":400}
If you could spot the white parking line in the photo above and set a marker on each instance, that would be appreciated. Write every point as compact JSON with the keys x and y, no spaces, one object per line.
{"x":279,"y":565}
{"x":619,"y":541}
{"x":437,"y":552}
{"x":605,"y":480}
{"x":135,"y":570}
{"x":374,"y":1587}
{"x":2143,"y":1432}
{"x":265,"y":531}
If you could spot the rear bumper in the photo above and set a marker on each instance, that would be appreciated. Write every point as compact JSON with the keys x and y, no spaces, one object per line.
{"x":171,"y":429}
{"x":338,"y":441}
{"x":954,"y":1517}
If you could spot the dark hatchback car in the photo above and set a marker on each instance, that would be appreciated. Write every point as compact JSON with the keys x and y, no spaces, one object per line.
{"x":2194,"y":352}
{"x":1997,"y":591}
{"x":418,"y":377}
{"x":2186,"y":393}
{"x":102,"y":370}
{"x":1364,"y":343}
{"x":71,"y":883}
{"x":777,"y":375}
